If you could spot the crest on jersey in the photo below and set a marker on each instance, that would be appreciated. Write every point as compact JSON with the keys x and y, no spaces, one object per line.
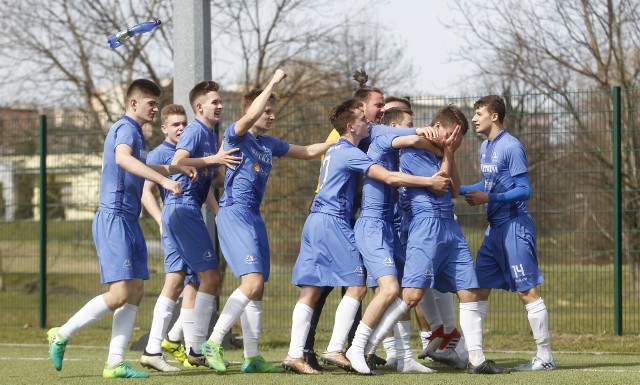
{"x":494,"y":156}
{"x":256,"y":167}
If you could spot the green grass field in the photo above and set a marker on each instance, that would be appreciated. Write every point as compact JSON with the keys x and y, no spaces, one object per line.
{"x":29,"y":364}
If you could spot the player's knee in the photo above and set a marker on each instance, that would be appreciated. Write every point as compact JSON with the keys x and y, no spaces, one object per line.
{"x":389,"y":292}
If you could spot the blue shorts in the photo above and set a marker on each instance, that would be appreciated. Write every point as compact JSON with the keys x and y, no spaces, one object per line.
{"x":243,"y":241}
{"x":184,"y":229}
{"x":438,"y":256}
{"x":328,"y":254}
{"x":507,"y":257}
{"x":375,"y":241}
{"x":121,"y":248}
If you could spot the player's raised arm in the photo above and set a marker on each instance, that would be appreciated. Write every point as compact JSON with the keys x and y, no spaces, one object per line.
{"x":258,"y":105}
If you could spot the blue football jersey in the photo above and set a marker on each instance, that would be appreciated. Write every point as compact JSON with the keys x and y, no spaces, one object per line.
{"x":247,"y":183}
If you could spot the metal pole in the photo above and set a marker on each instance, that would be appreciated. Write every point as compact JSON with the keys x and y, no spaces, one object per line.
{"x":43,"y":221}
{"x":617,"y":210}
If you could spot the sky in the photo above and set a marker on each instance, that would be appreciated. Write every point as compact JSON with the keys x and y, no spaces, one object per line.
{"x":430,"y":45}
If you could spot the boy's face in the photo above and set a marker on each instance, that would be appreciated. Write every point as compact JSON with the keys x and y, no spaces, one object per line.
{"x":173,"y":127}
{"x":360,"y":126}
{"x":483,"y":120}
{"x":210,"y":107}
{"x":374,"y":107}
{"x":407,"y":120}
{"x":266,"y":120}
{"x":145,"y":109}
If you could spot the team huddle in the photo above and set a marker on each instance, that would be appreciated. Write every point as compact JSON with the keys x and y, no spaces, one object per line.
{"x":401,"y":240}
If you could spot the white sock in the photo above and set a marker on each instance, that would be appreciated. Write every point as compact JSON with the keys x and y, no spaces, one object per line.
{"x":471,"y":325}
{"x":176,"y":334}
{"x":88,"y":314}
{"x":388,"y":320}
{"x":202,"y":311}
{"x":355,"y":354}
{"x":483,"y":306}
{"x":251,"y":321}
{"x":188,"y":323}
{"x":300,"y":324}
{"x":162,"y":313}
{"x":539,"y":321}
{"x":406,"y":363}
{"x":345,"y":313}
{"x":389,"y":345}
{"x":123,"y":319}
{"x":429,"y":308}
{"x":232,"y":310}
{"x":424,"y":338}
{"x":444,"y":303}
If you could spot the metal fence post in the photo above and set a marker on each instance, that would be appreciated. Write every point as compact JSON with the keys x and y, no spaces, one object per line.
{"x":617,"y":210}
{"x":43,"y":221}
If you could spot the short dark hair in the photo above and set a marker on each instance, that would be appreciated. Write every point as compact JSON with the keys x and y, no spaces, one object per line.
{"x":390,"y":99}
{"x":451,"y":115}
{"x":343,"y":114}
{"x":202,"y":89}
{"x":171,"y":109}
{"x":143,"y":88}
{"x":495,"y":105}
{"x":395,"y":114}
{"x":250,"y":96}
{"x":363,"y":92}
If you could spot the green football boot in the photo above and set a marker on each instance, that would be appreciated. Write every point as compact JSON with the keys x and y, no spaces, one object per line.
{"x":258,"y":364}
{"x":57,"y":347}
{"x":122,"y":370}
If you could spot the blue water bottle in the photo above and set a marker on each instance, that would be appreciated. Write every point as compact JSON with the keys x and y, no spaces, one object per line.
{"x":117,"y":39}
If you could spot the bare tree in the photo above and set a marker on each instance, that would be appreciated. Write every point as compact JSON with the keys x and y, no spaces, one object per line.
{"x":551,"y":47}
{"x":57,"y":51}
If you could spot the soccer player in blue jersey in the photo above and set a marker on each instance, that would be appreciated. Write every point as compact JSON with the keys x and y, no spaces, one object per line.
{"x":507,"y":257}
{"x":178,"y":275}
{"x":120,"y":245}
{"x":437,"y":253}
{"x":241,"y":229}
{"x":182,"y":221}
{"x":328,"y":254}
{"x":378,"y":242}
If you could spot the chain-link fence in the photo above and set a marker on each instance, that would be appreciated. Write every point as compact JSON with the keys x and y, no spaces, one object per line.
{"x":568,"y":138}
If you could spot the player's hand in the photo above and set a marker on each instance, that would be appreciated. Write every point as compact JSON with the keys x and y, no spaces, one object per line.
{"x":428,"y":132}
{"x":452,"y":140}
{"x":476,"y":197}
{"x":440,"y":183}
{"x":172,"y":185}
{"x":278,"y":76}
{"x":225,"y":158}
{"x":190,"y":172}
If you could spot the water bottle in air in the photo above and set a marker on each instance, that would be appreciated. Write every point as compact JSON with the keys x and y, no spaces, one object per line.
{"x":117,"y":39}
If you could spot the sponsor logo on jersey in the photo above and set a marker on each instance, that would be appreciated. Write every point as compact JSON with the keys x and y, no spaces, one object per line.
{"x":428,"y":274}
{"x":262,"y":156}
{"x":389,"y":262}
{"x":208,"y":255}
{"x":143,"y":154}
{"x":494,"y":156}
{"x":489,"y":168}
{"x":251,"y":260}
{"x":127,"y":264}
{"x":359,"y":271}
